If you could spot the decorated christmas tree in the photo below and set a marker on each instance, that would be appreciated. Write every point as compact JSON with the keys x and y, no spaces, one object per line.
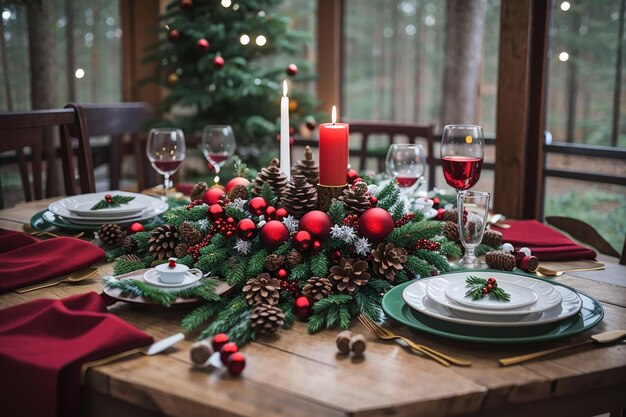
{"x":217,"y":61}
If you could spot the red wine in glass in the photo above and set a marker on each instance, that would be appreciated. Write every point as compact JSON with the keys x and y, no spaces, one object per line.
{"x":461,"y":172}
{"x":406,"y":182}
{"x":218,"y":158}
{"x":166,"y":166}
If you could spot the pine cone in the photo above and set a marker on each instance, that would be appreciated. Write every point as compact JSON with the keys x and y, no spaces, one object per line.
{"x":356,"y":199}
{"x":262,"y":289}
{"x":238,"y":191}
{"x":266,"y":318}
{"x":293,"y":259}
{"x":299,"y":196}
{"x":349,"y":275}
{"x":181,"y":250}
{"x":111,"y":234}
{"x":450,"y":216}
{"x":163,"y":240}
{"x":317,"y":288}
{"x":307,"y":167}
{"x":274,"y":261}
{"x":198,"y":190}
{"x":273,"y":176}
{"x":130,"y":246}
{"x":388,"y":259}
{"x":492,"y":238}
{"x":191,"y":235}
{"x":451,"y":231}
{"x":129,"y":257}
{"x":498,"y":259}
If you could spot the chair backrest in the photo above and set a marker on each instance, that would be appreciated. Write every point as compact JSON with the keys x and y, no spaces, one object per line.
{"x":21,"y":130}
{"x":392,"y":129}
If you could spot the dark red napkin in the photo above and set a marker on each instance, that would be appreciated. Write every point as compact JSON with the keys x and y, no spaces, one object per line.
{"x":43,"y":344}
{"x":25,"y":260}
{"x":544,"y":242}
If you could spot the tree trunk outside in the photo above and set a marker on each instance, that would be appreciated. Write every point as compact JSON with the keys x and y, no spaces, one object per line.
{"x":464,"y":31}
{"x":5,"y":66}
{"x":69,"y":55}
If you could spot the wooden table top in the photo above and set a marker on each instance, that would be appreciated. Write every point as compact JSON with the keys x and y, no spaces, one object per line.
{"x":293,"y":373}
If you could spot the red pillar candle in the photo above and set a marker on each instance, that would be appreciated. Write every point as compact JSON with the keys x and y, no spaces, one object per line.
{"x":333,"y":152}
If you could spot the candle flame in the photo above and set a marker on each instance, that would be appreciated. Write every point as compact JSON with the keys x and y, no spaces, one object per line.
{"x":284,"y":88}
{"x":334,"y":115}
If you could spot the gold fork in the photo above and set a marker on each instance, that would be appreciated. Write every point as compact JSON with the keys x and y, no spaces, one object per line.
{"x":386,"y":334}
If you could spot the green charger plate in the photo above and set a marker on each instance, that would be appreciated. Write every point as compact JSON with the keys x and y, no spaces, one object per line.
{"x":590,"y":315}
{"x":39,"y":222}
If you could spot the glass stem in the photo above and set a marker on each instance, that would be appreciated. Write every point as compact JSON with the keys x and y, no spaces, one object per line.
{"x":217,"y":174}
{"x":166,"y":184}
{"x":469,"y":257}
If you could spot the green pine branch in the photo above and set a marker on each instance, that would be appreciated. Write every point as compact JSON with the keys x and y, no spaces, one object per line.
{"x":434,"y":258}
{"x":337,"y":212}
{"x":180,"y":215}
{"x":200,"y":315}
{"x":418,"y":266}
{"x":319,"y":264}
{"x":116,"y":201}
{"x":257,"y":263}
{"x":398,"y":210}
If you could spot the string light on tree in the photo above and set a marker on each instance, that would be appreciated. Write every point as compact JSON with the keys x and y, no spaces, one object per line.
{"x":261,"y":40}
{"x":226,"y":3}
{"x":244,"y":39}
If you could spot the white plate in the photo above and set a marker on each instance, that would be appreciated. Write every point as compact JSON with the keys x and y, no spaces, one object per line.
{"x":415,"y":296}
{"x":53,"y":218}
{"x":191,"y":280}
{"x":80,"y":205}
{"x":154,"y":207}
{"x":547,"y":296}
{"x":520,"y":296}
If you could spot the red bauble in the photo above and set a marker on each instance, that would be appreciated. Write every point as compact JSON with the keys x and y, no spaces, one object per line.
{"x":236,"y":181}
{"x":202,"y":46}
{"x":352,"y":175}
{"x":171,"y":263}
{"x":375,"y":224}
{"x":173,"y":35}
{"x":316,"y":247}
{"x":270,"y":213}
{"x":274,"y":234}
{"x":302,"y":241}
{"x":440,"y":212}
{"x":212,"y":195}
{"x":219,"y":340}
{"x":303,"y":307}
{"x":291,"y":70}
{"x":227,"y":350}
{"x":236,"y":363}
{"x":257,"y":206}
{"x":218,"y":62}
{"x":335,"y":256}
{"x":135,"y":228}
{"x":246,"y":229}
{"x":373,"y":201}
{"x":282,"y":273}
{"x":281,"y":213}
{"x":317,"y":223}
{"x":216,"y":211}
{"x":186,"y":4}
{"x":436,"y":202}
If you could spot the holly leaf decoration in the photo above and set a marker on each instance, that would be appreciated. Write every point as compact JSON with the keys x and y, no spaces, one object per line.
{"x":480,"y":287}
{"x":116,"y":201}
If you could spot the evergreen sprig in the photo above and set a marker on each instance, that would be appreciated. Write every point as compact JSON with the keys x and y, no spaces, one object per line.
{"x":180,"y":215}
{"x":337,"y":211}
{"x":480,"y":287}
{"x":116,"y":201}
{"x":331,"y":311}
{"x":319,"y":264}
{"x":200,"y":315}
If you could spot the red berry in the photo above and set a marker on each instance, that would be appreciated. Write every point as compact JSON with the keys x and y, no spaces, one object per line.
{"x":373,"y":201}
{"x":485,"y":290}
{"x":491,"y":280}
{"x":490,"y":286}
{"x":219,"y":340}
{"x":227,"y":350}
{"x":236,"y":363}
{"x":282,"y":273}
{"x":108,"y":198}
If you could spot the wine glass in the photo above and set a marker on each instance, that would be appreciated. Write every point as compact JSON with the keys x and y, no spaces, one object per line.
{"x":406,"y":163}
{"x":218,"y":144}
{"x":462,"y":152}
{"x":474,"y":206}
{"x":166,"y":151}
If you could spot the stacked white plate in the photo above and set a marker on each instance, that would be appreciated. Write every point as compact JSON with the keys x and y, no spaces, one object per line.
{"x":533,"y":302}
{"x":77,"y":209}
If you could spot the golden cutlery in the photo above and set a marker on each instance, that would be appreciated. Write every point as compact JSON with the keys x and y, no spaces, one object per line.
{"x":33,"y":232}
{"x":497,"y":219}
{"x":386,"y":334}
{"x":558,"y":272}
{"x":606,"y":337}
{"x":74,"y":277}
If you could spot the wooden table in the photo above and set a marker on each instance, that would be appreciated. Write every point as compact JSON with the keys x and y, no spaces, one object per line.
{"x":296,"y":374}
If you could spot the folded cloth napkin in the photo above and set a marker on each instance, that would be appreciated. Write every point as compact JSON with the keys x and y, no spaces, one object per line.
{"x":43,"y":344}
{"x":25,"y":260}
{"x":544,"y":242}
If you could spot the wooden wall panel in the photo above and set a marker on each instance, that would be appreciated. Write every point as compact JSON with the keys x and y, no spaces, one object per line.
{"x":329,"y":17}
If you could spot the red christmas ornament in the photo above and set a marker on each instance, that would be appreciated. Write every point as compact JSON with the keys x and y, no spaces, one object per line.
{"x":282,"y":273}
{"x":236,"y":181}
{"x":216,"y":211}
{"x":270,"y":213}
{"x":440,"y":212}
{"x":436,"y":202}
{"x":291,"y":70}
{"x":219,"y":340}
{"x":186,"y":4}
{"x":218,"y":62}
{"x":335,"y":256}
{"x":274,"y":234}
{"x":135,"y":228}
{"x":108,"y":198}
{"x":303,"y":307}
{"x":373,"y":201}
{"x":352,"y":175}
{"x":302,"y":241}
{"x":171,"y":263}
{"x":227,"y":350}
{"x":212,"y":195}
{"x":281,"y":213}
{"x":246,"y":229}
{"x":375,"y":224}
{"x":202,"y":46}
{"x":236,"y":363}
{"x":257,"y":206}
{"x":316,"y":247}
{"x":317,"y":223}
{"x":173,"y":35}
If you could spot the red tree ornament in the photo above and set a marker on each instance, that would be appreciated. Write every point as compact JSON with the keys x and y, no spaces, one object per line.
{"x":302,"y":241}
{"x":186,"y":4}
{"x":173,"y":35}
{"x":227,"y":350}
{"x":236,"y":181}
{"x":212,"y":195}
{"x":282,"y":273}
{"x":351,"y":176}
{"x":218,"y":62}
{"x":281,"y":213}
{"x":246,"y":229}
{"x":303,"y":307}
{"x":219,"y":340}
{"x":270,"y":213}
{"x":375,"y":224}
{"x":236,"y":363}
{"x":135,"y":228}
{"x":316,"y":247}
{"x":202,"y":46}
{"x":274,"y":234}
{"x":257,"y":206}
{"x":216,"y":211}
{"x":291,"y":70}
{"x":317,"y":223}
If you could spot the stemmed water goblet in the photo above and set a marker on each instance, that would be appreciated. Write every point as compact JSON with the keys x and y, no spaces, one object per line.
{"x":473,"y":209}
{"x":166,"y":151}
{"x":406,"y":163}
{"x":218,"y":144}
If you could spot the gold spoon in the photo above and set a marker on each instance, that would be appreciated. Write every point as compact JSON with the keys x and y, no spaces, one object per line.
{"x":74,"y":277}
{"x":557,"y":273}
{"x":606,"y":337}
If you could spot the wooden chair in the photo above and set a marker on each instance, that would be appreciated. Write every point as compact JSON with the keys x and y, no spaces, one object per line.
{"x":118,"y":121}
{"x":583,"y":232}
{"x":21,"y":130}
{"x":392,"y":129}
